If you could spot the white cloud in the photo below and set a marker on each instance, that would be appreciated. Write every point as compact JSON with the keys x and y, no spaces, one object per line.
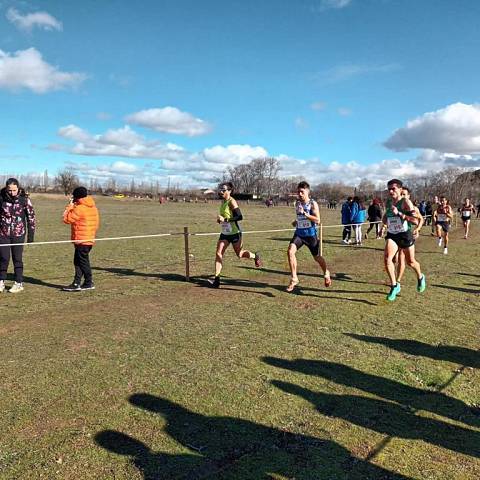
{"x":233,"y":154}
{"x":318,"y":106}
{"x":26,"y":69}
{"x":344,"y":112}
{"x":42,"y":20}
{"x":301,"y":123}
{"x":170,"y":120}
{"x":336,"y":4}
{"x":453,"y":129}
{"x":123,"y":142}
{"x":347,"y":71}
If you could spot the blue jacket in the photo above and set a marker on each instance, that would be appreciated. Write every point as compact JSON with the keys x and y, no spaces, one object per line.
{"x":357,"y":215}
{"x":346,"y":213}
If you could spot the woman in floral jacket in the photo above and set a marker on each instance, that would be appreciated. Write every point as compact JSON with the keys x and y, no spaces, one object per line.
{"x":17,"y":224}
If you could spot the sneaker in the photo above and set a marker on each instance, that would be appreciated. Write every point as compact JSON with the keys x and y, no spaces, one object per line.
{"x":87,"y":286}
{"x":258,"y":260}
{"x":2,"y":286}
{"x":215,"y":283}
{"x":394,"y":291}
{"x":17,"y":287}
{"x":440,"y":242}
{"x":445,"y":251}
{"x":421,"y":284}
{"x":346,"y":242}
{"x":73,"y":287}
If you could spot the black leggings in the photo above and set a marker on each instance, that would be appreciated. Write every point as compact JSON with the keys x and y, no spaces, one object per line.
{"x":81,"y":261}
{"x":16,"y":253}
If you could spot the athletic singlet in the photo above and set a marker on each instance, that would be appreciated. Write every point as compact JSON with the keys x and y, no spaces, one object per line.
{"x":442,"y":214}
{"x":395,"y":224}
{"x":228,"y":228}
{"x":305,"y":227}
{"x":466,"y":212}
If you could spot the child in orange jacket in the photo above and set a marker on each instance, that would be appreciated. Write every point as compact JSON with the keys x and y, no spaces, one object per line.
{"x":82,"y":214}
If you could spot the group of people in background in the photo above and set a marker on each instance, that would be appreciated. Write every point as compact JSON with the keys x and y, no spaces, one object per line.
{"x":18,"y":225}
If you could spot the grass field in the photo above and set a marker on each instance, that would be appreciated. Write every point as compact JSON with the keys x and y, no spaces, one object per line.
{"x":150,"y":377}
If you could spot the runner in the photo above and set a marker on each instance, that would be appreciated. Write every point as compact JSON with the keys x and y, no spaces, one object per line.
{"x":442,"y":217}
{"x":415,"y":233}
{"x":399,"y":217}
{"x":434,"y":205}
{"x":467,"y":210}
{"x":308,"y":217}
{"x":228,"y":219}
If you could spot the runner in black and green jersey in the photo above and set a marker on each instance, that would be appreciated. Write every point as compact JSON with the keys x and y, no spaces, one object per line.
{"x":399,"y":218}
{"x":228,"y":219}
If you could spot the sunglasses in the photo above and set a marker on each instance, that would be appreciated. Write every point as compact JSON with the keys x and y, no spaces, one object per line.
{"x":222,"y":191}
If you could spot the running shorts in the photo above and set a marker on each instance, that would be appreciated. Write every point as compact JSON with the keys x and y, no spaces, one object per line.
{"x":312,"y":243}
{"x":466,"y":219}
{"x":445,"y":226}
{"x":236,"y":237}
{"x":403,"y":239}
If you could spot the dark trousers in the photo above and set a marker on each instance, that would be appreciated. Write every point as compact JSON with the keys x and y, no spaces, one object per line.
{"x":375,"y":226}
{"x":16,"y":253}
{"x":81,"y":261}
{"x":347,"y":232}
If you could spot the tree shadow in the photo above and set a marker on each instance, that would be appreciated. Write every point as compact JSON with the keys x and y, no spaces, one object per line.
{"x":457,"y":289}
{"x":467,"y":274}
{"x":449,"y":353}
{"x":389,"y":419}
{"x":224,"y":447}
{"x":411,"y":397}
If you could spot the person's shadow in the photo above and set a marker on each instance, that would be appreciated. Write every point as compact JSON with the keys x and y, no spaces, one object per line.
{"x":389,"y":419}
{"x":411,"y":397}
{"x":224,"y":447}
{"x":450,"y":353}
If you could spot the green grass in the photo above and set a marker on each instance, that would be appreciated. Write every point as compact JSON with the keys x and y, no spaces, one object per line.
{"x":152,"y":377}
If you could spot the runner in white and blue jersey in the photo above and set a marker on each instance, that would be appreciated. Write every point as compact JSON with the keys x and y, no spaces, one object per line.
{"x":307,"y":219}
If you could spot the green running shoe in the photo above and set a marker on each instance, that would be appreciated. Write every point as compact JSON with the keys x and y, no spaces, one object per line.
{"x":422,"y":284}
{"x":394,"y":291}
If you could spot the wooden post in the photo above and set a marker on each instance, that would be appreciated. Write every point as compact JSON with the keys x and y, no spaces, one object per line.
{"x":321,"y":239}
{"x":187,"y":254}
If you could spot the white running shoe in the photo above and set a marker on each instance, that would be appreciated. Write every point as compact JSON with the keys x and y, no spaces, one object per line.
{"x":2,"y":286}
{"x":445,"y":251}
{"x":16,"y":288}
{"x":440,"y":242}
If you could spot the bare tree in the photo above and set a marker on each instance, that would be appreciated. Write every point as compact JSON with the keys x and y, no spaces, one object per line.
{"x":66,"y":180}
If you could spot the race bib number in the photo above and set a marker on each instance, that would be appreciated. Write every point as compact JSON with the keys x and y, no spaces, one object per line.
{"x":303,"y":223}
{"x":466,"y":213}
{"x":442,"y":217}
{"x":396,"y":225}
{"x":226,"y":228}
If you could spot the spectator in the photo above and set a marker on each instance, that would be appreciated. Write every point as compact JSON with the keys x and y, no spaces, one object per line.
{"x":82,"y":214}
{"x":358,"y":216}
{"x":17,"y":223}
{"x":346,"y":216}
{"x":375,"y":218}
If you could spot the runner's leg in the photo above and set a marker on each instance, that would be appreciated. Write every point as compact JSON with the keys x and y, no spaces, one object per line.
{"x":221,"y":247}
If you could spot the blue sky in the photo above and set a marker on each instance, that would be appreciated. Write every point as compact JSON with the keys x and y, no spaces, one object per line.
{"x":338,"y":90}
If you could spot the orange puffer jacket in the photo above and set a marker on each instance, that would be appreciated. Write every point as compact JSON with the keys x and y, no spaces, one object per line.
{"x":83,"y":216}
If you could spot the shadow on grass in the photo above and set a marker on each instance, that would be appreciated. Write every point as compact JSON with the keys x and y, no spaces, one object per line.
{"x":43,"y":283}
{"x":411,"y":397}
{"x":389,"y":419}
{"x":457,"y":289}
{"x":449,"y":353}
{"x":224,"y":447}
{"x":467,"y":274}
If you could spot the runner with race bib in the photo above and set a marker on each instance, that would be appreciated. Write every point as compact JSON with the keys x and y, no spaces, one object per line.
{"x":442,"y":218}
{"x":400,"y":218}
{"x":228,"y":219}
{"x":307,"y":219}
{"x":467,"y":210}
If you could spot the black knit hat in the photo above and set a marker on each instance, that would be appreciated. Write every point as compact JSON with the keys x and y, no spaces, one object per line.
{"x":80,"y":192}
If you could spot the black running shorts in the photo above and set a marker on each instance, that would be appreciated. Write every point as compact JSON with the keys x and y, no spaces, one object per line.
{"x":312,"y":243}
{"x":236,"y":237}
{"x":403,"y":239}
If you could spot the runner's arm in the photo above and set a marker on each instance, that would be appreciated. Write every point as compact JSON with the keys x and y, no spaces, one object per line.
{"x":236,"y":213}
{"x":315,"y":217}
{"x":410,"y":216}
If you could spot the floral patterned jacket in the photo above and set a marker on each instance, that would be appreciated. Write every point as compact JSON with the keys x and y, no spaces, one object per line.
{"x":17,"y":217}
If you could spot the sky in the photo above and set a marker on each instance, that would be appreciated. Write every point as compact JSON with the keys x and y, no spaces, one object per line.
{"x":177,"y":91}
